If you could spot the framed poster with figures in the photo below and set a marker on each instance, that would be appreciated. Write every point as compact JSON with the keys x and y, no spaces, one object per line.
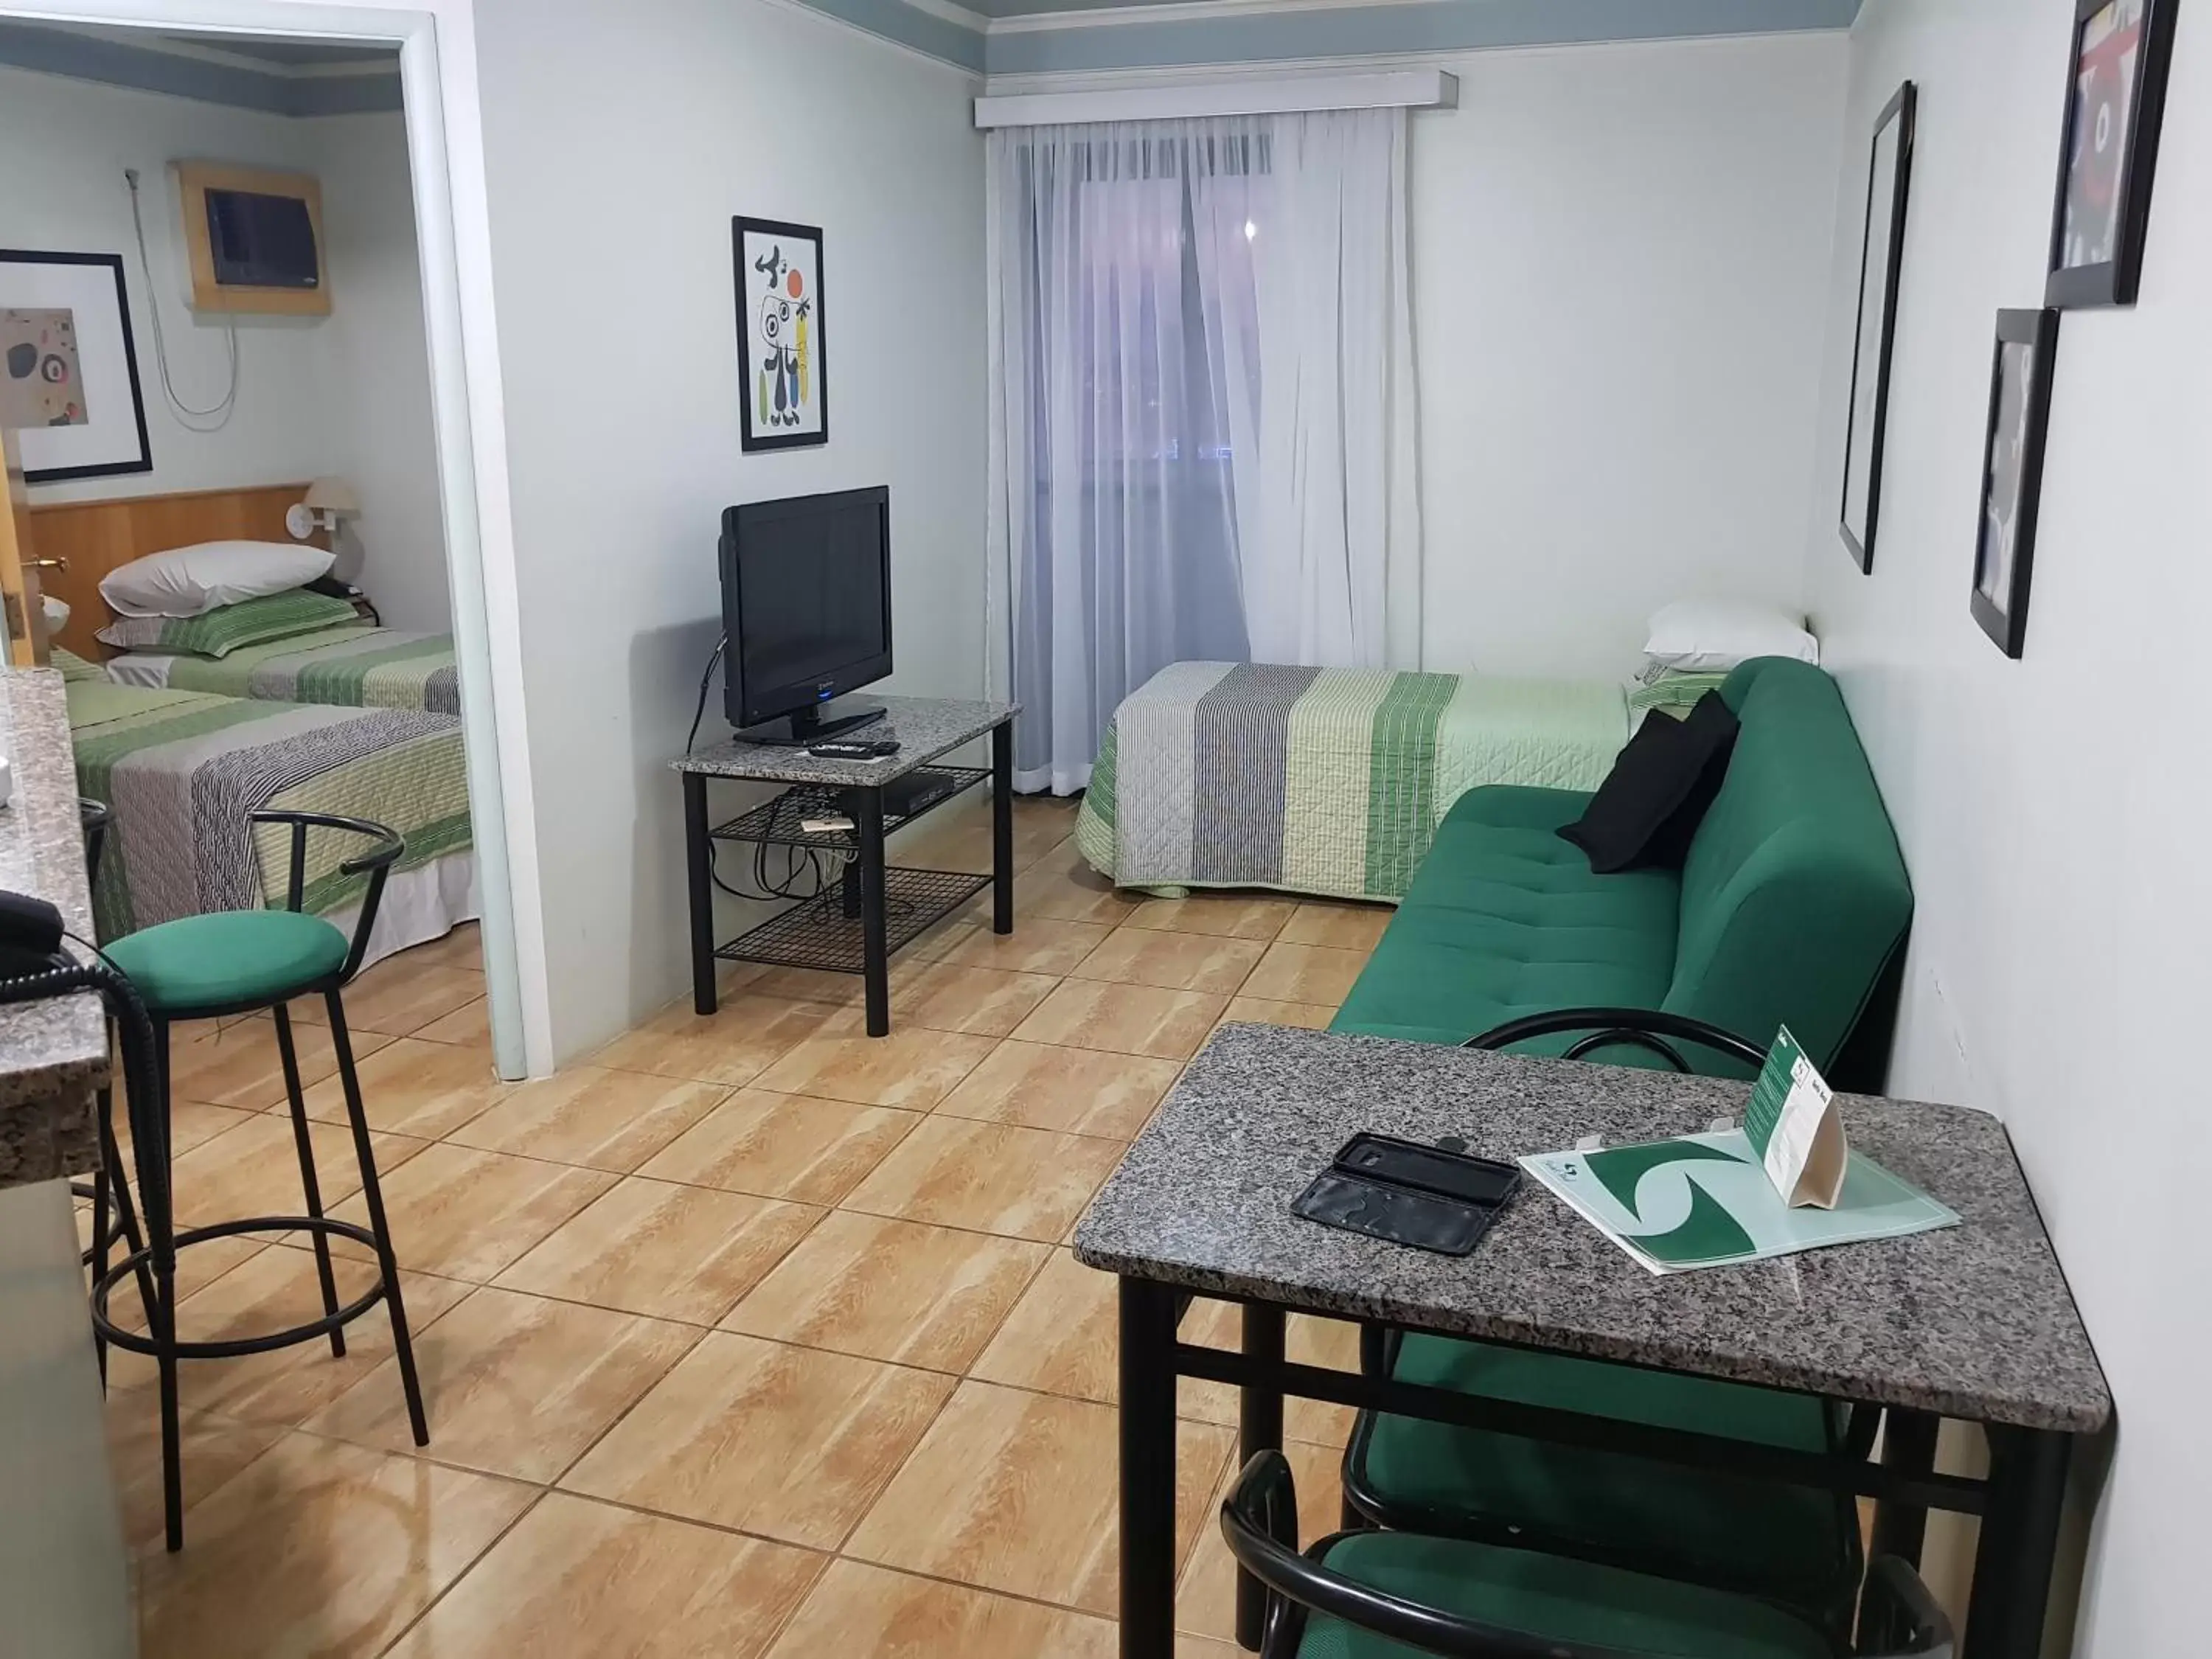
{"x":1881,"y":257}
{"x":786,"y":402}
{"x":2115,"y":99}
{"x":2012,"y":473}
{"x":69,"y":372}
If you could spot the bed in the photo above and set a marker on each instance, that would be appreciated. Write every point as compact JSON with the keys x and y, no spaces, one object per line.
{"x":1324,"y":781}
{"x":181,"y":769}
{"x":354,"y":666}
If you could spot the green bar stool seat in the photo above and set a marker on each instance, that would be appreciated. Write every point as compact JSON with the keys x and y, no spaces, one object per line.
{"x":236,"y":963}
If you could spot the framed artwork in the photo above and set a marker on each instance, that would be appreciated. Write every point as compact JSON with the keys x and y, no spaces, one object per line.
{"x":2115,"y":95}
{"x":1881,"y":257}
{"x":68,"y":371}
{"x":781,"y":333}
{"x":2012,"y":472}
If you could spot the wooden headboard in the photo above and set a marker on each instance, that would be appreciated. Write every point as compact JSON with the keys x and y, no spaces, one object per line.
{"x":97,"y":537}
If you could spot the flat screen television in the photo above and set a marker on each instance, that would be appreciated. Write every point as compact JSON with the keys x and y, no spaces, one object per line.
{"x":806,"y":607}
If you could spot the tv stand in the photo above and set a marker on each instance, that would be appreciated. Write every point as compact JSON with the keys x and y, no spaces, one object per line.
{"x":807,"y":727}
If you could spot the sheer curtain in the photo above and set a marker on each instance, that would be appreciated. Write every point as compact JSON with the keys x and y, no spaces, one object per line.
{"x":1202,"y":415}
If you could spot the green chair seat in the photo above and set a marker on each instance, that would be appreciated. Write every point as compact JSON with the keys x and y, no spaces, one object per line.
{"x":229,"y":958}
{"x":1794,"y":1545}
{"x":1558,"y":1599}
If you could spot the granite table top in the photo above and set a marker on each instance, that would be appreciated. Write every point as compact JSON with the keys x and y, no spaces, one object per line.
{"x":54,"y":1054}
{"x":1974,"y":1321}
{"x":925,"y":727}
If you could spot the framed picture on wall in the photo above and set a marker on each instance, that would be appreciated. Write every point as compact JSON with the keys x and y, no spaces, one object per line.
{"x":2115,"y":96}
{"x":1881,"y":257}
{"x":68,"y":370}
{"x":2012,"y":472}
{"x":781,"y":333}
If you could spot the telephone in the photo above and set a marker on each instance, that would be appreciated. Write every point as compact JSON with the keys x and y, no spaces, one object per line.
{"x":30,"y":936}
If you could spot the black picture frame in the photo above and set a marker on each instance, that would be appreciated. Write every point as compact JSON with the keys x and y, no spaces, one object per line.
{"x":2020,"y":369}
{"x":2103,"y":265}
{"x":142,"y":458}
{"x":806,"y":366}
{"x":1887,"y":198}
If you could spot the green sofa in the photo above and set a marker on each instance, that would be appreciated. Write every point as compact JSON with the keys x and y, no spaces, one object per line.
{"x":1792,"y":906}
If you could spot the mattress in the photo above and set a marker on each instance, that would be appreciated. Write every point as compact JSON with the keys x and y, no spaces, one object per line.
{"x":1327,"y":782}
{"x":350,"y":666}
{"x":181,"y":770}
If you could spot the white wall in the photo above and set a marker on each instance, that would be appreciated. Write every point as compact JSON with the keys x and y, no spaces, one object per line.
{"x":2052,"y":810}
{"x":618,"y":144}
{"x":1620,"y":266}
{"x":348,"y":395}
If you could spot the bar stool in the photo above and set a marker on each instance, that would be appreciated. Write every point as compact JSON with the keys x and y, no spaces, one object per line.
{"x":240,"y":961}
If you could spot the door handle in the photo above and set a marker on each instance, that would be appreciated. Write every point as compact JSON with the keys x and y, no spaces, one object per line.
{"x":48,"y":564}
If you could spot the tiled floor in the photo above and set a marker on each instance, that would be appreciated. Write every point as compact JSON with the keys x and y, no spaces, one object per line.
{"x":753,"y":1336}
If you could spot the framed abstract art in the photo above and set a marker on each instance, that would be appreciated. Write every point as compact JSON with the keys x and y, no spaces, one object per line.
{"x":2115,"y":98}
{"x":781,"y":334}
{"x":68,"y":370}
{"x":1881,"y":259}
{"x":2012,"y":472}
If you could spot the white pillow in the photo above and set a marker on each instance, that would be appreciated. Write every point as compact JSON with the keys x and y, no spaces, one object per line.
{"x":1710,"y":636}
{"x":191,"y":581}
{"x":58,"y":612}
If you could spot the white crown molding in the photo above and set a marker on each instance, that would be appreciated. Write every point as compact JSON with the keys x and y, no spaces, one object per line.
{"x":1171,"y":11}
{"x":204,"y":51}
{"x":949,"y":11}
{"x":973,"y":78}
{"x":1217,"y":96}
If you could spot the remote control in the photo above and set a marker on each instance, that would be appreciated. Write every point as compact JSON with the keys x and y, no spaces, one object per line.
{"x":856,"y":748}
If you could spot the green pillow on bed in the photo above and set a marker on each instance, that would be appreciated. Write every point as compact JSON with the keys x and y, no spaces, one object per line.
{"x":74,"y":667}
{"x":224,"y":629}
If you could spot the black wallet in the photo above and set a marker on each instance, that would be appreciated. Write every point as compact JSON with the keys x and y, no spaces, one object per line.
{"x":1433,"y":1198}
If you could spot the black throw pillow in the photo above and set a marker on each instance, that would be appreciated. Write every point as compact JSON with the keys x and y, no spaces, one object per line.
{"x":1651,"y":803}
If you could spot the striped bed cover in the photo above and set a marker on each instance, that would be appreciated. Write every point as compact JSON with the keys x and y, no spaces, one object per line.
{"x":350,"y":666}
{"x":182,"y":769}
{"x":1327,"y":781}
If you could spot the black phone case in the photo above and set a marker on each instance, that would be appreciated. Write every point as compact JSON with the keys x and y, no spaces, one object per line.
{"x":1405,"y":1192}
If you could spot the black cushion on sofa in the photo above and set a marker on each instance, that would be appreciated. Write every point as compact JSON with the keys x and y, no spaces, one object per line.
{"x":1651,"y":803}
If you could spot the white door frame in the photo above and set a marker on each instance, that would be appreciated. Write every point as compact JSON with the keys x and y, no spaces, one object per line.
{"x":445,"y":145}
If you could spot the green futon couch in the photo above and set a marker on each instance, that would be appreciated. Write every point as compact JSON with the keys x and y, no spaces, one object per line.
{"x":1791,"y":908}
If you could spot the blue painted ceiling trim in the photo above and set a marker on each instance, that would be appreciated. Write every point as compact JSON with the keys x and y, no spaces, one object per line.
{"x":910,"y":26}
{"x":277,"y":92}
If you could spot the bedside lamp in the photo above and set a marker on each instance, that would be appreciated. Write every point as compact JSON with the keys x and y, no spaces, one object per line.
{"x":328,"y":500}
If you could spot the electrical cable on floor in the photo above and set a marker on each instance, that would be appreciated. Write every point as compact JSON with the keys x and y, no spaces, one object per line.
{"x":221,"y":411}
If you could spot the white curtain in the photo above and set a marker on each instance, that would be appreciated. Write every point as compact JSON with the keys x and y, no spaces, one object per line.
{"x":1201,"y":420}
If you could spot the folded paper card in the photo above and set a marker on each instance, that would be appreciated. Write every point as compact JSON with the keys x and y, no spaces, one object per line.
{"x":1793,"y":1125}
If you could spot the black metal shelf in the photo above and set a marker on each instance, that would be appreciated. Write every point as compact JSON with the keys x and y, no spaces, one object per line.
{"x":818,"y":933}
{"x":776,"y":822}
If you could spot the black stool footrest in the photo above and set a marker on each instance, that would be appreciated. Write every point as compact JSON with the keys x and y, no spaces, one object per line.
{"x":142,"y":1342}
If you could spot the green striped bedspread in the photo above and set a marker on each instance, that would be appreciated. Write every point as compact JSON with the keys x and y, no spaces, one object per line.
{"x":352,"y":666}
{"x":181,"y":769}
{"x":1326,"y":781}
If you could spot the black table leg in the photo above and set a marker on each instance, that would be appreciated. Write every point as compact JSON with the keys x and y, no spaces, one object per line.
{"x":1908,"y":1446}
{"x":698,"y":855}
{"x":1002,"y":827}
{"x":2019,"y":1544}
{"x":875,"y":959}
{"x":1148,"y":1469}
{"x":1259,"y":1428}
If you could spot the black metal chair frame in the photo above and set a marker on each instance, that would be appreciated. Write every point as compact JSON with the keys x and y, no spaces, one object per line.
{"x":1259,"y":1519}
{"x":149,"y":1119}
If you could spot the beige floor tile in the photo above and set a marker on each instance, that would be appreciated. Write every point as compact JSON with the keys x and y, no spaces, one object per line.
{"x":277,"y":1289}
{"x":190,"y":1124}
{"x":253,"y":1169}
{"x":1038,"y":945}
{"x":585,"y":1115}
{"x":1205,"y":1597}
{"x":790,"y":1443}
{"x":812,"y":1151}
{"x":318,"y":1547}
{"x":651,"y":1247}
{"x":1129,"y":1019}
{"x":1177,"y":961}
{"x":461,"y":948}
{"x":1307,"y":1340}
{"x":1342,"y":926}
{"x":1066,"y":889}
{"x":1062,"y":1337}
{"x":890,"y":1290}
{"x":1079,"y":1091}
{"x":1228,"y":915}
{"x":745,"y":1036}
{"x":1188,"y":1646}
{"x":950,"y":996}
{"x":415,"y":1088}
{"x":1266,"y":1011}
{"x":912,"y":1068}
{"x":198,"y":1267}
{"x":214,"y":1450}
{"x":580,"y":1580}
{"x":470,"y":1024}
{"x":513,"y":1385}
{"x":1305,"y":973}
{"x":468,"y":1215}
{"x":860,"y":1612}
{"x":400,"y":996}
{"x":238,"y":1065}
{"x":954,"y":1172}
{"x":1018,"y":1491}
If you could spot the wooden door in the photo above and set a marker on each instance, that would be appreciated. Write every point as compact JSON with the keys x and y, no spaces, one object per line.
{"x":18,"y":570}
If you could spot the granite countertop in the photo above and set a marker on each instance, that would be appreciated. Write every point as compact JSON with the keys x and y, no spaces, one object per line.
{"x":1972,"y":1321}
{"x":925,"y":727}
{"x":54,"y":1054}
